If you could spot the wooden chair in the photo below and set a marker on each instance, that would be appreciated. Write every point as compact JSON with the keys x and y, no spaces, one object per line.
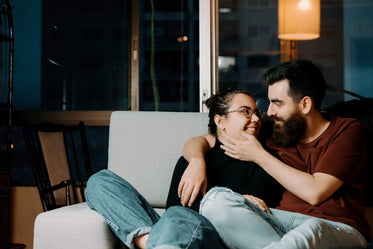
{"x":59,"y":156}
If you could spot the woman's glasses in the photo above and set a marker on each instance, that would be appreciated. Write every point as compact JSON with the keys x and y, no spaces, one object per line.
{"x":248,"y":112}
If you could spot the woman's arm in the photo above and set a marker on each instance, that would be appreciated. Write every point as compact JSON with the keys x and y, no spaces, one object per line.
{"x":173,"y":198}
{"x":194,"y":180}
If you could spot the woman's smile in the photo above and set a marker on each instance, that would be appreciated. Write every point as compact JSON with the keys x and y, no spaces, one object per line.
{"x":251,"y":128}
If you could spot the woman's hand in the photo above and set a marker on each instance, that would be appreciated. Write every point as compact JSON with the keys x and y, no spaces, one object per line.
{"x":259,"y":202}
{"x":193,"y":182}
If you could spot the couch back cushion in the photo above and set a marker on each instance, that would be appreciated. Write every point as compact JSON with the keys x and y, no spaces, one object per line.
{"x":144,"y":148}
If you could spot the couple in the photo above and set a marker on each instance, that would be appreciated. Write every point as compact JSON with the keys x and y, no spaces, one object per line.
{"x":320,"y":165}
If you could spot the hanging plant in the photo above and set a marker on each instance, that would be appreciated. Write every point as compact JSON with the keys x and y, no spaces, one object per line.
{"x":152,"y":63}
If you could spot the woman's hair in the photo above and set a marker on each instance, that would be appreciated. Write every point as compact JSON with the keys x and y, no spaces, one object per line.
{"x":219,"y":104}
{"x":305,"y":79}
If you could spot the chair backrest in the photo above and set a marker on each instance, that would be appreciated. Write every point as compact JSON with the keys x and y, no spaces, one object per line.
{"x":59,"y":156}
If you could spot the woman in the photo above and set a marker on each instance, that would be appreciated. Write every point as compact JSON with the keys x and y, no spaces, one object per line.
{"x":230,"y":112}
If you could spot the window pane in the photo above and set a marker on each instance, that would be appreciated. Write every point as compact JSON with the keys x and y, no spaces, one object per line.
{"x":175,"y":56}
{"x":84,"y":54}
{"x":248,"y":46}
{"x":248,"y":43}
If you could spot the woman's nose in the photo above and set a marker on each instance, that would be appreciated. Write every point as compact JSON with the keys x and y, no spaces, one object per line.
{"x":255,"y":118}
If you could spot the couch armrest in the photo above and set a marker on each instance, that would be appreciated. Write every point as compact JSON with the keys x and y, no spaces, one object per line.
{"x":73,"y":227}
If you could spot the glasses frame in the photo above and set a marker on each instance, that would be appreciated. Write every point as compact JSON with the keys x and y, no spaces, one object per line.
{"x":248,"y":112}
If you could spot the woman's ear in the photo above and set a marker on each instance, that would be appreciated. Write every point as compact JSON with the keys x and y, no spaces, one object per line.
{"x":306,"y":105}
{"x":219,"y":121}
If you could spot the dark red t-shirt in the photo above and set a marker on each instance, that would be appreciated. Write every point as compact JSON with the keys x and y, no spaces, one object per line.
{"x":340,"y":151}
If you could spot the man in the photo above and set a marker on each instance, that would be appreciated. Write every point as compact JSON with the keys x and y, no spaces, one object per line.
{"x":321,"y":166}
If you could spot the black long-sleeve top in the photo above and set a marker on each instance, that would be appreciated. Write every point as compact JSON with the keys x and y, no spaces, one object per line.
{"x":222,"y":170}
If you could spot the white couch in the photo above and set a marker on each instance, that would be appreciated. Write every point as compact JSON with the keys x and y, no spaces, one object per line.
{"x":143,"y":149}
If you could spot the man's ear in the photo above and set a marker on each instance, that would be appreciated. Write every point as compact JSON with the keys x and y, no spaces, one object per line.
{"x":305,"y":105}
{"x":219,"y":121}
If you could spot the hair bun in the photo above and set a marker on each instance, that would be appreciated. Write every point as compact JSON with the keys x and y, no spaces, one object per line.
{"x":209,"y":102}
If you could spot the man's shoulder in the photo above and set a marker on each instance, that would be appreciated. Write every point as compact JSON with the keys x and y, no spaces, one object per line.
{"x":360,"y":109}
{"x":343,"y":129}
{"x":339,"y":123}
{"x":339,"y":120}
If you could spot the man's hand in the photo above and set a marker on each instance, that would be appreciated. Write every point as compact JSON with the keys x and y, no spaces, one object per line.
{"x":245,"y":149}
{"x":259,"y":202}
{"x":193,"y":182}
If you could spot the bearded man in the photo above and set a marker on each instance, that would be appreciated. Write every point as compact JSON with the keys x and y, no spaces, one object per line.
{"x":318,"y":158}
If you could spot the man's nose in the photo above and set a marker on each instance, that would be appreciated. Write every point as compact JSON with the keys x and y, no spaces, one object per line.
{"x":270,"y":111}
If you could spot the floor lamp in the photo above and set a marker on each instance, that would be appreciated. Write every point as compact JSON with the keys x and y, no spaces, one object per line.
{"x":297,"y":20}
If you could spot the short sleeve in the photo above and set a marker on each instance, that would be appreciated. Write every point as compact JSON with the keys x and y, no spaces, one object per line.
{"x":344,"y":156}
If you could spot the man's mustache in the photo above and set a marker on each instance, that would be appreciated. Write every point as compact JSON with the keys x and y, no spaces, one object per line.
{"x":275,"y":118}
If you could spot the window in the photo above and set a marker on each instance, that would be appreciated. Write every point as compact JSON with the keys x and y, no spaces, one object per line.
{"x":245,"y":35}
{"x":175,"y":62}
{"x":76,"y":55}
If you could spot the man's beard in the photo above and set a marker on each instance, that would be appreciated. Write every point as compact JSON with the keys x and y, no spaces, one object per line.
{"x":290,"y":132}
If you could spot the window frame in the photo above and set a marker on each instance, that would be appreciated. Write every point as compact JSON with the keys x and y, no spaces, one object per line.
{"x":208,"y":52}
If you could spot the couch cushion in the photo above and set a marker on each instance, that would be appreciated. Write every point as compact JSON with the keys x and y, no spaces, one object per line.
{"x":75,"y":226}
{"x":148,"y":163}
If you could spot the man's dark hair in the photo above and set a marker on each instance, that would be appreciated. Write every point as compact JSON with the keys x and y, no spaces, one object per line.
{"x":305,"y":79}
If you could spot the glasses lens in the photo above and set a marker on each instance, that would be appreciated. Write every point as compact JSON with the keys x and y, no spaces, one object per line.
{"x":258,"y":113}
{"x":247,"y":112}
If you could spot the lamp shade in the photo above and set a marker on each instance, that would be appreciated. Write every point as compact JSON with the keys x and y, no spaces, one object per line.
{"x":298,"y":19}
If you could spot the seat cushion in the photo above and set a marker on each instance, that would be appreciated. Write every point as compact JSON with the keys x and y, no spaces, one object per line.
{"x":75,"y":226}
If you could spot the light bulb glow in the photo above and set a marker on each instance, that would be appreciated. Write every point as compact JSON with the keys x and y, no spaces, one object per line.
{"x":304,"y":4}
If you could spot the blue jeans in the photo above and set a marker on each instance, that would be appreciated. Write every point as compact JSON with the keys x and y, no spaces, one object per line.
{"x":241,"y":224}
{"x":129,"y":215}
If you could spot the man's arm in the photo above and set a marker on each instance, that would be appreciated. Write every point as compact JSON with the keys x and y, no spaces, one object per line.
{"x":313,"y":189}
{"x":197,"y":147}
{"x":194,"y":180}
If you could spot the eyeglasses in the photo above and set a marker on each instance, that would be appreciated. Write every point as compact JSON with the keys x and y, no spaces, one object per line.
{"x":248,"y":112}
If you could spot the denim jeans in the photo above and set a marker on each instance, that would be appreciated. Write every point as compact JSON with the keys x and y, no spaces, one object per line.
{"x":129,"y":215}
{"x":241,"y":224}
